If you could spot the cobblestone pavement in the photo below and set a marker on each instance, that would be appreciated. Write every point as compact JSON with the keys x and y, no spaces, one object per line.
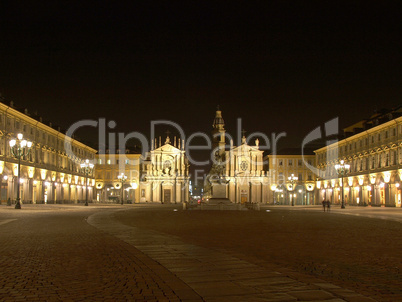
{"x":76,"y":253}
{"x":385,"y":213}
{"x":216,"y":276}
{"x":50,"y":253}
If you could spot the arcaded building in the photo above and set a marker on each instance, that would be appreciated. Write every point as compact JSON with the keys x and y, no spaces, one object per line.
{"x":291,"y":180}
{"x":373,"y":149}
{"x":52,"y":171}
{"x":110,"y":187}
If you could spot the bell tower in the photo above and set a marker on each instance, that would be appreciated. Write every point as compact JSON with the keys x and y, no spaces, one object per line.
{"x":218,"y":133}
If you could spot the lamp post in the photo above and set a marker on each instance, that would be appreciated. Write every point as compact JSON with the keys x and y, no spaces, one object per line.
{"x":87,"y":167}
{"x":19,"y":148}
{"x":292,"y":179}
{"x":122,"y":179}
{"x":342,"y":169}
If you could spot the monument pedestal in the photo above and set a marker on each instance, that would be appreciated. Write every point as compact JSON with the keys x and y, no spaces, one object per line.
{"x":219,"y":201}
{"x":219,"y":194}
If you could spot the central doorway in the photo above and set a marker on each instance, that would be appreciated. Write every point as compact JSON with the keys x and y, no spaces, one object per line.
{"x":167,"y":194}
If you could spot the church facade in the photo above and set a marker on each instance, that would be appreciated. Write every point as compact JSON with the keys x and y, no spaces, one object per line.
{"x":241,"y":167}
{"x":165,"y":173}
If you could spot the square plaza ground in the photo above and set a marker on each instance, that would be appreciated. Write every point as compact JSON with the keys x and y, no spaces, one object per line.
{"x":51,"y":253}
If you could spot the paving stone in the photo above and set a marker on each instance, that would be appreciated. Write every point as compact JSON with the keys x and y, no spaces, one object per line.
{"x":311,"y":295}
{"x":359,"y":298}
{"x":61,"y":257}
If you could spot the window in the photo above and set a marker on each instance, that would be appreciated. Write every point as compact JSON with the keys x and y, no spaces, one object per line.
{"x":280,"y":162}
{"x":290,"y":162}
{"x":127,"y":161}
{"x":309,"y":162}
{"x":300,"y":162}
{"x":300,"y":177}
{"x":108,"y":162}
{"x":310,"y":177}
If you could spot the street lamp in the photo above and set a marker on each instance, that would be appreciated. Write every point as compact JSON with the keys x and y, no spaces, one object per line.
{"x":87,"y":167}
{"x":292,"y":179}
{"x":19,"y":148}
{"x":342,"y":169}
{"x":122,"y":179}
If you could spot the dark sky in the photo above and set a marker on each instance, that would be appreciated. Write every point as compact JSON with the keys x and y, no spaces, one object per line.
{"x":281,"y":66}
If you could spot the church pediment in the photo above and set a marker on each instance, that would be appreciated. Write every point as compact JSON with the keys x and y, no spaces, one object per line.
{"x":167,"y":148}
{"x":245,"y":148}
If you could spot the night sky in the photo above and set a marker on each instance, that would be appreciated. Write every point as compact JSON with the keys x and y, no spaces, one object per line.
{"x":280,"y":66}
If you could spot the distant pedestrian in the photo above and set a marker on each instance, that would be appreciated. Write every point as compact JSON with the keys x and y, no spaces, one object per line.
{"x":328,"y":205}
{"x":324,"y":203}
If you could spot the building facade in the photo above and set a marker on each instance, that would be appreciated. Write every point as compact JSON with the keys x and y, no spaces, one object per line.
{"x":51,"y":172}
{"x":242,"y":168}
{"x":373,"y":149}
{"x":109,"y":187}
{"x":284,"y":168}
{"x":165,"y":173}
